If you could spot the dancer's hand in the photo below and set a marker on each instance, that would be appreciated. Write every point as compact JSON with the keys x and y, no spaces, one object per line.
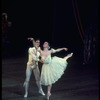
{"x":65,"y":49}
{"x":40,"y":61}
{"x":31,"y":39}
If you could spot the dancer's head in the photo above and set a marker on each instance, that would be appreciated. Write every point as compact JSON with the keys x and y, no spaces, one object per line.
{"x":4,"y":16}
{"x":37,"y":42}
{"x":46,"y":45}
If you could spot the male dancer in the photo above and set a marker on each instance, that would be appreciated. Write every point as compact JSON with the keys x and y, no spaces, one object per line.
{"x":32,"y":64}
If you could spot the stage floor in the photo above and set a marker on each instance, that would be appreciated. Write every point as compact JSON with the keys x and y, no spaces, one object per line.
{"x":78,"y":83}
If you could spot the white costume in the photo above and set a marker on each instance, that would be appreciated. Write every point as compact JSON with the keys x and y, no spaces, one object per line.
{"x":52,"y":69}
{"x":32,"y":64}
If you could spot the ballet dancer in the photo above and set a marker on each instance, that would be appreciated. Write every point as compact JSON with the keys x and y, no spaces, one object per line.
{"x":53,"y":67}
{"x":32,"y":65}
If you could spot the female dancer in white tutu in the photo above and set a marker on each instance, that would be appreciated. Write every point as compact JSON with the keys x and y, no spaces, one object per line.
{"x":53,"y":67}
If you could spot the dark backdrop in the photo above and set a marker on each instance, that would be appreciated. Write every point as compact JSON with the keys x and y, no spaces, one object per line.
{"x":49,"y":20}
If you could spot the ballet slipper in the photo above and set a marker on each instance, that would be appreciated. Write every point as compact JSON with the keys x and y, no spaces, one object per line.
{"x":41,"y":92}
{"x":26,"y":89}
{"x":26,"y":94}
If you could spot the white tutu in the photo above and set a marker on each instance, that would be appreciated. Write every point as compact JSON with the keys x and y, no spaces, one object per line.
{"x":52,"y":69}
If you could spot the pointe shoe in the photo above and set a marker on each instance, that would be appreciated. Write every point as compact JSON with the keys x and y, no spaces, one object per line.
{"x":26,"y":94}
{"x":48,"y":95}
{"x":70,"y":54}
{"x":41,"y":92}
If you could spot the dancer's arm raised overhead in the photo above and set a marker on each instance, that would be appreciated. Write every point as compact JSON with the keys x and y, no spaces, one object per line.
{"x":33,"y":41}
{"x":36,"y":43}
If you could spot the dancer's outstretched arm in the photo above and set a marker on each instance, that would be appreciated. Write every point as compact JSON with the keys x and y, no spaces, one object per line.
{"x":58,"y":50}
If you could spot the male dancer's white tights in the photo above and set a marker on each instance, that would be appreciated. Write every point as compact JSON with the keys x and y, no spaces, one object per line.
{"x":37,"y":77}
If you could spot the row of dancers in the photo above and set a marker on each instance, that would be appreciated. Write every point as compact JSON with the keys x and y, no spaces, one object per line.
{"x":52,"y":67}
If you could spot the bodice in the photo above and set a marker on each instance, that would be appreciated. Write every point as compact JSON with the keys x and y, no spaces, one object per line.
{"x":47,"y":59}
